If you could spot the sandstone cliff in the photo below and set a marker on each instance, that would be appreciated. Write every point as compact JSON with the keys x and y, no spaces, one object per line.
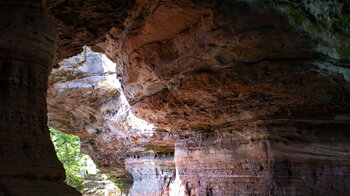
{"x":255,"y":93}
{"x":242,"y":97}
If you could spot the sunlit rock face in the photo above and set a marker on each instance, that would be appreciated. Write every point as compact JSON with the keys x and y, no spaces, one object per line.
{"x":153,"y":173}
{"x":256,"y":93}
{"x":85,"y":98}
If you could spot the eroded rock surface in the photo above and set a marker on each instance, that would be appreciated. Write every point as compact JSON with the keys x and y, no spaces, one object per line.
{"x":81,"y":23}
{"x":85,"y":98}
{"x":258,"y":106}
{"x":153,"y":173}
{"x":256,"y":93}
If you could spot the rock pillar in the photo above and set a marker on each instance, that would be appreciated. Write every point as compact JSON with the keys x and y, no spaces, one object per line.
{"x":29,"y":165}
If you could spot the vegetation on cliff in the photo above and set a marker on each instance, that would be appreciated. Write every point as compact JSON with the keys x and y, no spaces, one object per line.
{"x":68,"y":152}
{"x":81,"y":172}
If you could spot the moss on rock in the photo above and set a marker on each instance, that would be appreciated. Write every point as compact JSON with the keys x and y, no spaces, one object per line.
{"x":326,"y":22}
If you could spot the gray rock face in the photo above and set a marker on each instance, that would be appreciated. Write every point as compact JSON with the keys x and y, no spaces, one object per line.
{"x":153,"y":173}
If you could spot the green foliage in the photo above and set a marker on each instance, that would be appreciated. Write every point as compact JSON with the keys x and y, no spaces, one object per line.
{"x":68,"y":152}
{"x":326,"y":24}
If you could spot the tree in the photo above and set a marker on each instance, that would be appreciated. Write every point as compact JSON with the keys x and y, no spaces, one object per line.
{"x":68,"y":152}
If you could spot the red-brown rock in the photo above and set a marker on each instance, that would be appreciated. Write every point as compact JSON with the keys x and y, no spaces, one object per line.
{"x":252,"y":96}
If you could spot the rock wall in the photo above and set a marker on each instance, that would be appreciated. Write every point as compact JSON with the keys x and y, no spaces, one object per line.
{"x":256,"y":101}
{"x":153,"y":173}
{"x":255,"y":93}
{"x":283,"y":158}
{"x":28,"y":161}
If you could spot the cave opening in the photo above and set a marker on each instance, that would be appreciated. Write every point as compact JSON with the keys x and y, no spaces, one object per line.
{"x":85,"y":99}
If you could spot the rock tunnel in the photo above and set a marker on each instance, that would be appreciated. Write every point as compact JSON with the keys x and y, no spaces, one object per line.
{"x":238,"y":97}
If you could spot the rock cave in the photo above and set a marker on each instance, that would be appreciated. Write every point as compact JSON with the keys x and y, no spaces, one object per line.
{"x":192,"y":97}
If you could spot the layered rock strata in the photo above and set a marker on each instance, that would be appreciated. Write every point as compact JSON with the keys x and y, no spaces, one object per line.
{"x":153,"y":173}
{"x":256,"y":93}
{"x":257,"y":106}
{"x":28,"y":161}
{"x":85,"y":98}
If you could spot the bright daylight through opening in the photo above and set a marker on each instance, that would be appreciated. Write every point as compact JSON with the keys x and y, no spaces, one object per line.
{"x":103,"y":116}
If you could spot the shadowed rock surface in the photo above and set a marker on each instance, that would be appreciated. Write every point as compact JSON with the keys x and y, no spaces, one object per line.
{"x":81,"y":23}
{"x":28,"y":161}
